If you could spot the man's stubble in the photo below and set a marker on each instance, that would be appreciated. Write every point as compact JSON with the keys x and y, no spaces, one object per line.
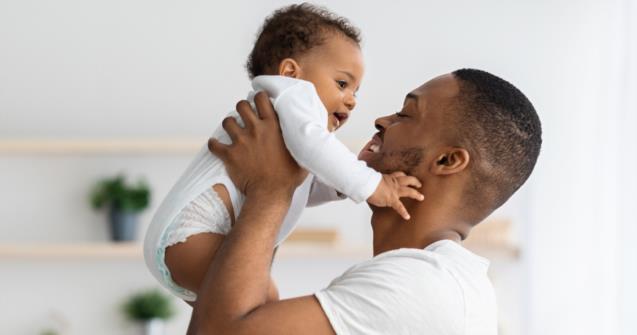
{"x":405,"y":160}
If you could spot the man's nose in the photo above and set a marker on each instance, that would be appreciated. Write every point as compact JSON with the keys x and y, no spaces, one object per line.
{"x":382,"y":123}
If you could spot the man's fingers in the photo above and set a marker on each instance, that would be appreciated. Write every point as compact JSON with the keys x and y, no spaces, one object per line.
{"x":232,"y":127}
{"x":401,"y":210}
{"x":409,"y":181}
{"x":219,"y":149}
{"x":248,"y":115}
{"x":264,"y":106}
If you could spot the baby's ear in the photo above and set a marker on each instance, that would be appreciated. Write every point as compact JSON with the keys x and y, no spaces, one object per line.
{"x":289,"y":68}
{"x":450,"y":161}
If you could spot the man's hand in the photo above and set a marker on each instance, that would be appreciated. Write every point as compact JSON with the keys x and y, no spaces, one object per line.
{"x":236,"y":294}
{"x":257,"y":160}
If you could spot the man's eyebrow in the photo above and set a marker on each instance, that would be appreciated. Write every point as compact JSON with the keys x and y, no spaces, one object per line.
{"x":412,"y":96}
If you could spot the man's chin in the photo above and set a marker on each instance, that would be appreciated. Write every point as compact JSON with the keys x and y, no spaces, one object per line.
{"x":372,"y":160}
{"x":365,"y":156}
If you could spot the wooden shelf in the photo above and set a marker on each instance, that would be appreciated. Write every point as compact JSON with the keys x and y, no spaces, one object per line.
{"x":112,"y":146}
{"x":101,"y":146}
{"x":492,"y":239}
{"x":133,"y":251}
{"x":500,"y":252}
{"x":489,"y":239}
{"x":105,"y":250}
{"x":303,"y":242}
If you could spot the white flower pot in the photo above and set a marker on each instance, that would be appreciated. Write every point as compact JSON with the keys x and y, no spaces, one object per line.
{"x":154,"y":327}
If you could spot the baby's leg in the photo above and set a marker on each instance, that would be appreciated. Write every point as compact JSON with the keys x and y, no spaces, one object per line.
{"x":189,"y":261}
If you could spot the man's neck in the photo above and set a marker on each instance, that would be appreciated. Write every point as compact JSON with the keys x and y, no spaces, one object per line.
{"x":425,"y":227}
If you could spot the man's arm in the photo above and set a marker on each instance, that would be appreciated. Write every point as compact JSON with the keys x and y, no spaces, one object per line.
{"x":232,"y":299}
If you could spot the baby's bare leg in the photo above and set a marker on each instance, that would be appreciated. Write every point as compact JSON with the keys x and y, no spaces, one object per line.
{"x":189,"y":261}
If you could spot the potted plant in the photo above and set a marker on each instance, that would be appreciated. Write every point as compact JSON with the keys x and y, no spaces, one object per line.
{"x":151,"y":308}
{"x":124,"y":202}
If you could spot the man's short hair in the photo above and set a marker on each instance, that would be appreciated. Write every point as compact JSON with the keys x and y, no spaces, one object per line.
{"x":292,"y":31}
{"x":500,"y":128}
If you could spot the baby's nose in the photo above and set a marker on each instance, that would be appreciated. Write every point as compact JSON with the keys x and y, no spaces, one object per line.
{"x":350,"y":102}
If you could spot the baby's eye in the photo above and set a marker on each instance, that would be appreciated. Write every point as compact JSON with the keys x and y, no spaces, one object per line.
{"x":399,"y":114}
{"x":341,"y":83}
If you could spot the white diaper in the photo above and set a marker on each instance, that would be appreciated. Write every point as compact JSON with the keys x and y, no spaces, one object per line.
{"x":206,"y":214}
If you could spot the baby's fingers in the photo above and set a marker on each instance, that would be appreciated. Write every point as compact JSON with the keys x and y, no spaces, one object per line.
{"x":409,"y":181}
{"x":401,"y":210}
{"x":408,"y":192}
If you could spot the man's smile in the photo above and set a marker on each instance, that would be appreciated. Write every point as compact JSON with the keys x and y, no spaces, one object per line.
{"x":372,"y":147}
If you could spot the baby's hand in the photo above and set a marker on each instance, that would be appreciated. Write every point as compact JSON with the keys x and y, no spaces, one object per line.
{"x":393,"y":187}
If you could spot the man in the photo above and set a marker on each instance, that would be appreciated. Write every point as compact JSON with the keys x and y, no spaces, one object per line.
{"x":470,"y":137}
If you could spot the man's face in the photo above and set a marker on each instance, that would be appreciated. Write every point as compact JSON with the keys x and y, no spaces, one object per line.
{"x":409,"y":140}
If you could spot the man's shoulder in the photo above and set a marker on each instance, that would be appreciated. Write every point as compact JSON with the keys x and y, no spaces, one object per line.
{"x":445,"y":268}
{"x":399,"y":291}
{"x":413,"y":270}
{"x":442,"y":255}
{"x":402,"y":257}
{"x":431,"y":290}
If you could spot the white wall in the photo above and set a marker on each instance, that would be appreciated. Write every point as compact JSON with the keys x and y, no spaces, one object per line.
{"x":77,"y":69}
{"x":627,"y":290}
{"x":584,"y":178}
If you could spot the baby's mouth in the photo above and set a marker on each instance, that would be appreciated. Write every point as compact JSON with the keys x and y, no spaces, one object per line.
{"x":339,"y":119}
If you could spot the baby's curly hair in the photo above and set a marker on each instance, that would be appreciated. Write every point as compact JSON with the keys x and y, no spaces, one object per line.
{"x":292,"y":31}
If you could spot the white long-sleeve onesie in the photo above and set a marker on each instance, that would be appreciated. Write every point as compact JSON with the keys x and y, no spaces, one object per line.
{"x":303,"y":120}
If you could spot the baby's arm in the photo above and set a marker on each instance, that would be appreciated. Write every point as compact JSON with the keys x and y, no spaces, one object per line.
{"x":321,"y":193}
{"x":303,"y":121}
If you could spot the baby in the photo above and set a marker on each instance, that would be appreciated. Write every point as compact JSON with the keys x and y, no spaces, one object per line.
{"x":309,"y":62}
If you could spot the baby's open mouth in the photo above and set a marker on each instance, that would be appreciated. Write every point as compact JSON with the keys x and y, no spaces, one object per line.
{"x":340,"y":119}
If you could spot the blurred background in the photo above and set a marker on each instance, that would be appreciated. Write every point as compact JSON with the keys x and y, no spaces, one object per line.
{"x":91,"y":90}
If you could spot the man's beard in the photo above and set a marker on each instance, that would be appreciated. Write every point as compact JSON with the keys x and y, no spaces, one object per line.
{"x":405,"y":160}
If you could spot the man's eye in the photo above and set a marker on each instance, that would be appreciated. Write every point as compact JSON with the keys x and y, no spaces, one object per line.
{"x":341,"y":83}
{"x":399,"y":114}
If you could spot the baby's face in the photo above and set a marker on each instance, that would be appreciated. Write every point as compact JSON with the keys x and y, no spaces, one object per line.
{"x":336,"y":70}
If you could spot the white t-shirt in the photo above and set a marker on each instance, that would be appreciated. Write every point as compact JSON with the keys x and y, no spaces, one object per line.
{"x":442,"y":289}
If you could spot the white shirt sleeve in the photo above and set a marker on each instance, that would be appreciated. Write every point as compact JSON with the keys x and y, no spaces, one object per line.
{"x":303,"y":121}
{"x":321,"y":193}
{"x":394,"y":293}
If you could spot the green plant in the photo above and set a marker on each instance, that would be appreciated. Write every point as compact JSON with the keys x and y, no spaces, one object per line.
{"x":119,"y":195}
{"x":148,"y":305}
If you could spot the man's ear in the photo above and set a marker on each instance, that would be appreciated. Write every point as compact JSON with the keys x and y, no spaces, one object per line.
{"x":450,"y":161}
{"x":290,"y":68}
